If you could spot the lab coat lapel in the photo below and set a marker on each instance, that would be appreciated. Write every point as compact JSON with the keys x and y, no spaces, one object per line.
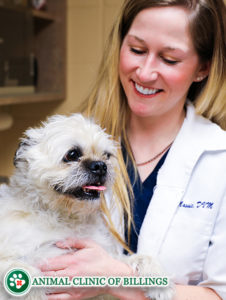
{"x":172,"y":180}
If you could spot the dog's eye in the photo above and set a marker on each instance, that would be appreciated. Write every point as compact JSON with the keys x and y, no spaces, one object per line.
{"x":107,"y":155}
{"x":73,"y":155}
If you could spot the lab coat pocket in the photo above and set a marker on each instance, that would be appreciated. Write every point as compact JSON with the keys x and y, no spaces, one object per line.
{"x":185,"y":246}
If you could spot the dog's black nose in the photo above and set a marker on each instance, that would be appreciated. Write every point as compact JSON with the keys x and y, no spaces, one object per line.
{"x":98,"y":168}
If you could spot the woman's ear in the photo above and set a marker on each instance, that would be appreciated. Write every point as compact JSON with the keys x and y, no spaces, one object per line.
{"x":203,"y":71}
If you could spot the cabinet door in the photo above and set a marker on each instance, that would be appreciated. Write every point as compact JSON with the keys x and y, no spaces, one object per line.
{"x":16,"y":34}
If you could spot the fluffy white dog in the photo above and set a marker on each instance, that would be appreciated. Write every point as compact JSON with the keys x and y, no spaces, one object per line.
{"x":61,"y":170}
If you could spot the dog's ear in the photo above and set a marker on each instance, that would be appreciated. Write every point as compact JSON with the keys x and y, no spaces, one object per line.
{"x":31,"y":137}
{"x":19,"y":157}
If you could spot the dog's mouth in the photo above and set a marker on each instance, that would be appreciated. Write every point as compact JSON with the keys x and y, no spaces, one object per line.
{"x":87,"y":192}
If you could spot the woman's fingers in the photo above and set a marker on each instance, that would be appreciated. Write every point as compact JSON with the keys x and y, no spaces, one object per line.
{"x":63,"y":261}
{"x":68,"y":272}
{"x":76,"y":293}
{"x":77,"y":244}
{"x":62,"y":296}
{"x":57,"y":263}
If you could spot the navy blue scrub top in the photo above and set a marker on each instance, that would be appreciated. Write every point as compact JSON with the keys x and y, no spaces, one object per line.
{"x":143,"y":192}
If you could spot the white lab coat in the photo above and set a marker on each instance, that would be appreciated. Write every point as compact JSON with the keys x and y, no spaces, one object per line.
{"x":185,"y":224}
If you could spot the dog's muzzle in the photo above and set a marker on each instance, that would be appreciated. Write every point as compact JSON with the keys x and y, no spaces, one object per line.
{"x":97,"y":174}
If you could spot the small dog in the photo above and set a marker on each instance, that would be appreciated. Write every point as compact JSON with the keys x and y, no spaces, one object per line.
{"x":62,"y":168}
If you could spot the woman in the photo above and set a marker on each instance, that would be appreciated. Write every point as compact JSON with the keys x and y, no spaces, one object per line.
{"x":160,"y":54}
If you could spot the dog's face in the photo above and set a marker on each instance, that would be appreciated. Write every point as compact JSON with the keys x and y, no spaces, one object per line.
{"x":68,"y":156}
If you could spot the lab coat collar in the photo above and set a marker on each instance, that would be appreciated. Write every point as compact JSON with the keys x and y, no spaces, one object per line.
{"x":196,"y":136}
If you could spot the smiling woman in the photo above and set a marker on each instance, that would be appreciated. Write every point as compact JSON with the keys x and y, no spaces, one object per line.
{"x":164,"y":61}
{"x":158,"y":63}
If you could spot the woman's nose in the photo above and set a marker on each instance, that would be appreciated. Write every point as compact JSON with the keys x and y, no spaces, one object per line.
{"x":147,"y":71}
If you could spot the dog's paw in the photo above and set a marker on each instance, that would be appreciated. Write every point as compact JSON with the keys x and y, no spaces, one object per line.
{"x":160,"y":293}
{"x":147,"y":266}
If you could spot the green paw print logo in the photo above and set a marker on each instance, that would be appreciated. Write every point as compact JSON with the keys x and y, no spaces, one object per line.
{"x":17,"y":282}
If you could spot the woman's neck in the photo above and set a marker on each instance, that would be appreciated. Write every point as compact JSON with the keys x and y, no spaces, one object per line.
{"x":148,"y":137}
{"x":154,"y":130}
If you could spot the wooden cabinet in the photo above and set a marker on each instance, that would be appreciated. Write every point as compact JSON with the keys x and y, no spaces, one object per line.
{"x":46,"y":40}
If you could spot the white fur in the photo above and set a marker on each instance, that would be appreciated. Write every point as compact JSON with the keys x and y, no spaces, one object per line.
{"x":33,"y":215}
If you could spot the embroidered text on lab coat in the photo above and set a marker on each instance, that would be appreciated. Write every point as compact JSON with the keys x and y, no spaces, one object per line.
{"x":199,"y":204}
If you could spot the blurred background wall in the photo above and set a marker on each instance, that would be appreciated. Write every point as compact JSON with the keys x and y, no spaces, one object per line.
{"x":88,"y":24}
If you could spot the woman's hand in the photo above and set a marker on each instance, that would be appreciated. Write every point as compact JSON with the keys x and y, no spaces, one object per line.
{"x":89,"y":259}
{"x":75,"y":293}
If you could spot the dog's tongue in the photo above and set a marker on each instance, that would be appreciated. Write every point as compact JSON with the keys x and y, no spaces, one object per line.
{"x":94,"y":187}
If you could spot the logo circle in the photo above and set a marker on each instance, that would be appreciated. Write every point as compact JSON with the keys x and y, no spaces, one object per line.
{"x":17,"y":282}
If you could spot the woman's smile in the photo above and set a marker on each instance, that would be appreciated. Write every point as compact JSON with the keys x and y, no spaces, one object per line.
{"x":145,"y":91}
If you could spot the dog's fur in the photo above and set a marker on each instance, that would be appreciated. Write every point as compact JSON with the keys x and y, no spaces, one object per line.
{"x":46,"y":201}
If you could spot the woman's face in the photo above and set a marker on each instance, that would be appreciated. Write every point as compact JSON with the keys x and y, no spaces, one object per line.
{"x":158,"y":62}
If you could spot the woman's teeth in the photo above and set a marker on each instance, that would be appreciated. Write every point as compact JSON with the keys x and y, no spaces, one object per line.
{"x":145,"y":91}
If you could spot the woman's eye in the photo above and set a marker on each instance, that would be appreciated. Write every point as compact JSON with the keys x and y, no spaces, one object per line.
{"x":137,"y":51}
{"x":72,"y":155}
{"x":170,"y":61}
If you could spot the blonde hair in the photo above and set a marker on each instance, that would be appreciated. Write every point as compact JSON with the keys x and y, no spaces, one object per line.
{"x":112,"y":115}
{"x":211,"y":102}
{"x":107,"y":102}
